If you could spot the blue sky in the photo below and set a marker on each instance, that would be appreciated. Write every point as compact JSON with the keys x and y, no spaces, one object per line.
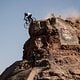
{"x":12,"y":32}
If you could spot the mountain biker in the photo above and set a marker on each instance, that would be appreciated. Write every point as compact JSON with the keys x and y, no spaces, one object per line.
{"x":28,"y":17}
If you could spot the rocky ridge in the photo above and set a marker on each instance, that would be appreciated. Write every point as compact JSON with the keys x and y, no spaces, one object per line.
{"x":51,"y":52}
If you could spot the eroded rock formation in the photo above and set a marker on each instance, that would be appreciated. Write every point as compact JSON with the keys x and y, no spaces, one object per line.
{"x":51,"y":53}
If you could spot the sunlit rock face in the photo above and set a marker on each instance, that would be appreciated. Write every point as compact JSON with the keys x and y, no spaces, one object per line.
{"x":51,"y":53}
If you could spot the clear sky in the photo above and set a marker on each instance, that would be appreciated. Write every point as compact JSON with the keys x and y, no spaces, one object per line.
{"x":12,"y":32}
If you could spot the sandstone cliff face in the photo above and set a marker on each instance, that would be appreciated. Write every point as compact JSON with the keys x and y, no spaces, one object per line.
{"x":51,"y":53}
